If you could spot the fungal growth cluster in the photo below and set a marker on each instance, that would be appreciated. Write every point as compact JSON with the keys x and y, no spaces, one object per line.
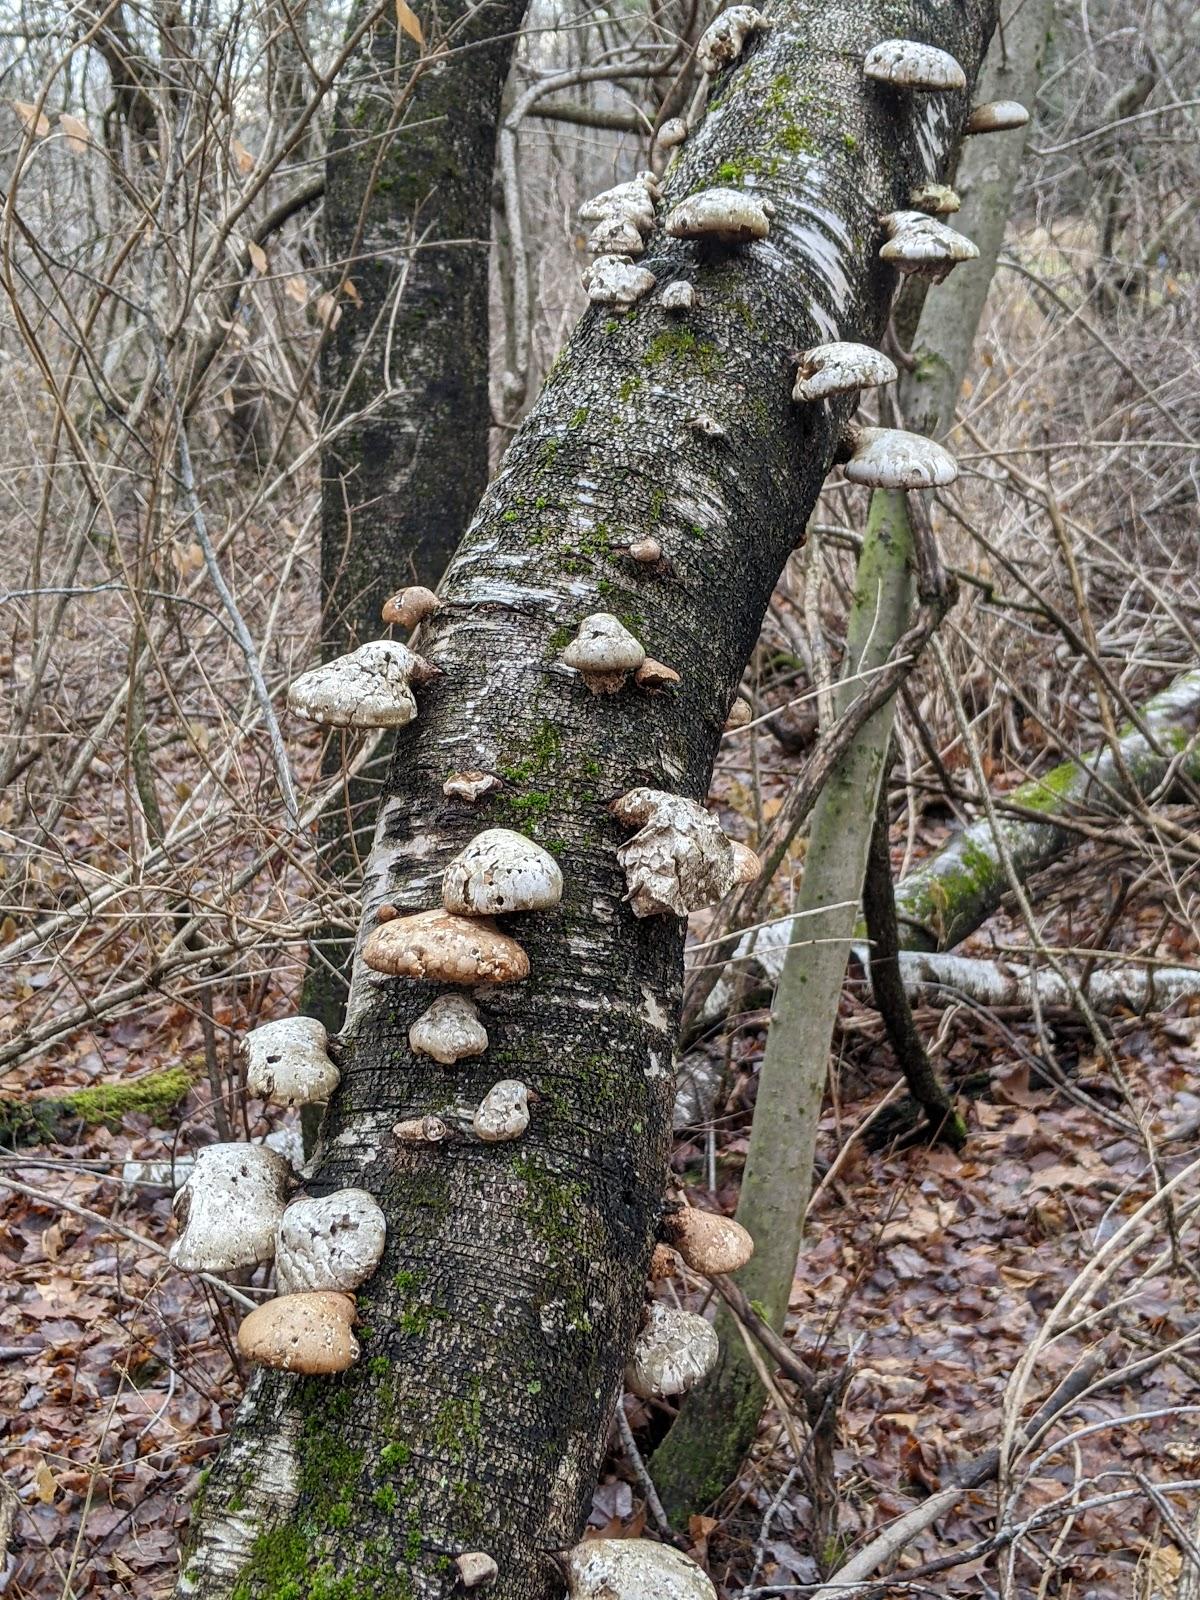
{"x":679,"y":860}
{"x":622,"y":217}
{"x":725,"y":38}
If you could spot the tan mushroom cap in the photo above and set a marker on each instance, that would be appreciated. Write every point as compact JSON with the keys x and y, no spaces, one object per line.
{"x":476,"y":1568}
{"x":655,"y":675}
{"x":740,"y":716}
{"x":935,"y":199}
{"x":997,"y":116}
{"x":409,"y":606}
{"x":708,"y":1242}
{"x":470,"y":786}
{"x":746,"y":864}
{"x":646,"y":550}
{"x":308,"y":1333}
{"x":445,"y":949}
{"x":725,"y":216}
{"x":664,"y":1263}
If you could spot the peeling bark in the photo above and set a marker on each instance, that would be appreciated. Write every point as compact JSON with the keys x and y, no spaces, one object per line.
{"x":512,"y":1284}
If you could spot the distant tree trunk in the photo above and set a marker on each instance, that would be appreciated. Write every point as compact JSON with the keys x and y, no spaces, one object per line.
{"x":510,"y":1292}
{"x":407,"y":223}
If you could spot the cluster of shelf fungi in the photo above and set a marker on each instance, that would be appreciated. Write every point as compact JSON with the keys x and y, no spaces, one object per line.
{"x":240,"y":1206}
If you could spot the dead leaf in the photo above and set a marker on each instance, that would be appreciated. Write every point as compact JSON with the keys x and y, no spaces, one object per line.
{"x":79,"y":135}
{"x":32,"y":120}
{"x":296,"y":289}
{"x":242,"y":159}
{"x":328,"y":310}
{"x":44,"y":1483}
{"x":258,"y":257}
{"x":409,"y":22}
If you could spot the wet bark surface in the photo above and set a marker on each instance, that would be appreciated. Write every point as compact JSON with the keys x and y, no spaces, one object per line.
{"x":498,"y":1325}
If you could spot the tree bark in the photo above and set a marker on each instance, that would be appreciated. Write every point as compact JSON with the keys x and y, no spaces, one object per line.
{"x":510,"y":1292}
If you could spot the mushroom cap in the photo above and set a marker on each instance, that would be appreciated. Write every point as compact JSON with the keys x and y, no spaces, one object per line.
{"x":889,"y":458}
{"x":476,"y":1568}
{"x":740,"y":716}
{"x":634,"y":1569}
{"x":923,"y":245}
{"x":616,"y":236}
{"x":746,"y":864}
{"x":840,"y":368}
{"x":633,"y":201}
{"x":679,"y":860}
{"x":646,"y":550}
{"x":449,"y":1031}
{"x":664,"y":1263}
{"x":934,"y":199}
{"x":501,"y":871}
{"x":470,"y":786}
{"x":329,"y":1242}
{"x":725,"y":37}
{"x":409,"y":606}
{"x":672,"y":1353}
{"x":307,"y":1333}
{"x":679,"y":295}
{"x":229,"y":1207}
{"x":908,"y":64}
{"x":615,"y":281}
{"x":997,"y":116}
{"x":369,"y":688}
{"x":673,"y":131}
{"x":603,"y":646}
{"x":708,"y":1242}
{"x":503,"y":1113}
{"x":287,"y":1061}
{"x":421,"y":1130}
{"x":726,"y":216}
{"x":445,"y":949}
{"x":655,"y":675}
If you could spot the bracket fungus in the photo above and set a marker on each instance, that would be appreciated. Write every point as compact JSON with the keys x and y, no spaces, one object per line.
{"x":997,"y":116}
{"x":664,"y":1263}
{"x":889,"y":458}
{"x":229,"y":1207}
{"x":680,"y":859}
{"x":615,"y":281}
{"x":678,"y":296}
{"x":445,"y":949}
{"x":421,"y":1130}
{"x":476,"y":1568}
{"x":633,"y":201}
{"x":723,"y":41}
{"x":909,"y":64}
{"x":470,"y":786}
{"x":503,"y":1113}
{"x":616,"y":236}
{"x":708,"y":1242}
{"x":329,"y":1242}
{"x":499,"y":872}
{"x":655,"y":676}
{"x":634,"y":1569}
{"x":604,"y":653}
{"x":673,"y":132}
{"x":646,"y":550}
{"x":840,"y":368}
{"x":919,"y":244}
{"x":740,"y":716}
{"x":449,"y":1031}
{"x":409,"y":606}
{"x":934,"y":199}
{"x":369,"y":688}
{"x":306,"y":1333}
{"x":288,"y":1062}
{"x":721,"y":217}
{"x":672,"y":1353}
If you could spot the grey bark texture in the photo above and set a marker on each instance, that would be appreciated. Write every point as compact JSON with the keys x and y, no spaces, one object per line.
{"x":513,"y":1282}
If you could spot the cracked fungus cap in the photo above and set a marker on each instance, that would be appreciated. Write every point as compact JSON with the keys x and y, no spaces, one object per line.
{"x":476,"y":1568}
{"x":615,"y":281}
{"x":708,"y":1242}
{"x":307,"y":1333}
{"x":934,"y":199}
{"x":678,"y":296}
{"x":287,"y":1061}
{"x":503,"y":1113}
{"x":840,"y":368}
{"x":997,"y":116}
{"x":229,"y":1207}
{"x":723,"y":216}
{"x":449,"y":1031}
{"x":409,"y":606}
{"x":501,"y":871}
{"x":634,"y":1569}
{"x":725,"y":38}
{"x":633,"y":201}
{"x":445,"y":949}
{"x":616,"y":236}
{"x":369,"y":688}
{"x":330,"y":1242}
{"x":908,"y":64}
{"x":680,"y":859}
{"x":889,"y":458}
{"x":672,"y":1353}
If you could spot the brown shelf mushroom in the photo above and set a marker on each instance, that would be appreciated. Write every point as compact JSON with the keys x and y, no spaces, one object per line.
{"x":445,"y":949}
{"x":709,"y":1243}
{"x":471,"y":786}
{"x":408,"y":607}
{"x":306,"y":1333}
{"x":997,"y":116}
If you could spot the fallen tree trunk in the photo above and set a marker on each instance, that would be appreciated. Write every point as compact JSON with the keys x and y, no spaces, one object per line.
{"x":512,"y":1285}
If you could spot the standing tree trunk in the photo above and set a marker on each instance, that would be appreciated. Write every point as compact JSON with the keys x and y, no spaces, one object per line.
{"x":499,"y":1322}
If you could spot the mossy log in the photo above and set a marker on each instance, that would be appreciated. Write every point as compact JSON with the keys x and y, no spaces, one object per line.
{"x":57,"y":1117}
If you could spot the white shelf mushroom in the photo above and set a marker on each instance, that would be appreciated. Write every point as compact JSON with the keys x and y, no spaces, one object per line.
{"x":673,"y":132}
{"x":889,"y":458}
{"x":288,"y":1062}
{"x":604,"y":653}
{"x":721,"y":216}
{"x":634,"y":1569}
{"x":445,"y":949}
{"x":646,"y":550}
{"x":421,"y":1130}
{"x":909,"y":64}
{"x":678,"y":296}
{"x":369,"y":688}
{"x":229,"y":1208}
{"x":997,"y":116}
{"x":709,"y":1243}
{"x":634,"y":201}
{"x":306,"y":1333}
{"x":672,"y":1353}
{"x":329,"y":1242}
{"x":840,"y":368}
{"x":449,"y":1031}
{"x":921,"y":245}
{"x":934,"y":199}
{"x":470,"y":786}
{"x":476,"y":1569}
{"x":723,"y":41}
{"x":680,"y":860}
{"x":409,"y":606}
{"x":503,"y":1113}
{"x":615,"y":281}
{"x":616,"y":236}
{"x":499,"y":872}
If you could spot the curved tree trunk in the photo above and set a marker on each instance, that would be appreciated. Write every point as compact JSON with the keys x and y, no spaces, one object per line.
{"x":512,"y":1285}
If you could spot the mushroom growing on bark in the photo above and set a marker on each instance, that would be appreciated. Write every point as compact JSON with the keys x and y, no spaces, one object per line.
{"x":678,"y":296}
{"x":720,"y":216}
{"x":287,"y":1061}
{"x":655,"y":676}
{"x":421,"y":1130}
{"x":889,"y":458}
{"x":723,"y":41}
{"x":470,"y":786}
{"x":634,"y":1569}
{"x":503,"y":1113}
{"x":633,"y":200}
{"x":909,"y":64}
{"x":615,"y":281}
{"x":616,"y":236}
{"x":934,"y":199}
{"x":449,"y":1031}
{"x":409,"y":606}
{"x":499,"y":872}
{"x":646,"y":550}
{"x":840,"y":368}
{"x":673,"y":132}
{"x":306,"y":1333}
{"x":604,"y":653}
{"x":672,"y":1353}
{"x":476,"y":1568}
{"x":680,"y":859}
{"x":997,"y":116}
{"x":445,"y":949}
{"x":229,"y":1207}
{"x":708,"y":1242}
{"x":369,"y":688}
{"x":921,"y":245}
{"x":740,"y":716}
{"x":329,"y":1242}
